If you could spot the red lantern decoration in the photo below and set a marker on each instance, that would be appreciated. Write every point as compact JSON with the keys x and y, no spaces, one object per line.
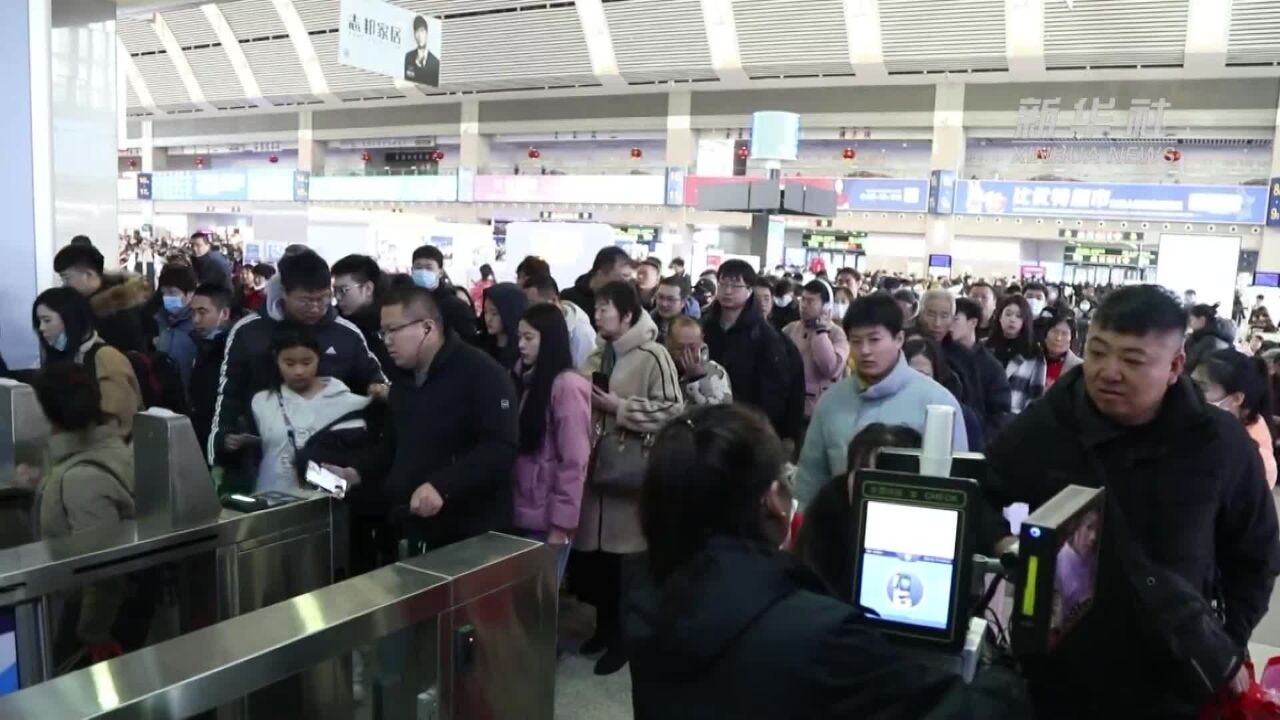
{"x":437,"y":155}
{"x":273,"y":159}
{"x":199,"y":161}
{"x":364,"y":156}
{"x":534,"y":153}
{"x":743,"y":152}
{"x":636,"y":153}
{"x":848,"y":153}
{"x":133,"y":163}
{"x":1172,"y":154}
{"x":1042,"y":153}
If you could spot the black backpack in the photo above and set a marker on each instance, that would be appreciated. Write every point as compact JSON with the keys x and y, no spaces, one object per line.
{"x":158,"y":378}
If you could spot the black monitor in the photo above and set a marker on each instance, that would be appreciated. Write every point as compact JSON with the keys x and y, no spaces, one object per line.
{"x":1266,"y":279}
{"x":912,"y":557}
{"x":971,"y":465}
{"x":1058,"y":559}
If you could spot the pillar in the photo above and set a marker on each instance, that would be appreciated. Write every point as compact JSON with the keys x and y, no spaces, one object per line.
{"x":948,"y":154}
{"x":62,"y":137}
{"x":310,"y":152}
{"x":681,"y":156}
{"x":1269,"y":254}
{"x":474,"y":151}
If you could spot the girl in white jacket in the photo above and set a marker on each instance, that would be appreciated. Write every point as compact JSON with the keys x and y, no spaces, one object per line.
{"x":297,"y":407}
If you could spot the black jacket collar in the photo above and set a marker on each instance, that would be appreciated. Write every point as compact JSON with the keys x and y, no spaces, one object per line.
{"x":1182,"y":416}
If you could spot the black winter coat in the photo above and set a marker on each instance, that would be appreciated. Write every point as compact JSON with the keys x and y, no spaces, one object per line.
{"x":583,"y":296}
{"x":755,"y":357}
{"x":758,"y":637}
{"x":457,"y":431}
{"x":1217,"y":334}
{"x":985,"y":387}
{"x":202,"y":390}
{"x":1191,"y":488}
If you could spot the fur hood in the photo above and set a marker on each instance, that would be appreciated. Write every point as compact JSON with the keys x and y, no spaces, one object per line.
{"x":119,"y":291}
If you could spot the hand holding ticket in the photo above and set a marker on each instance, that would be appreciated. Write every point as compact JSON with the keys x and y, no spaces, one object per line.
{"x":325,"y":480}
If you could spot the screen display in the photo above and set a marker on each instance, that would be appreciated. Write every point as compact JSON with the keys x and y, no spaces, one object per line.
{"x":908,"y":563}
{"x":1266,"y":279}
{"x":1075,"y":573}
{"x":8,"y":652}
{"x":940,"y":261}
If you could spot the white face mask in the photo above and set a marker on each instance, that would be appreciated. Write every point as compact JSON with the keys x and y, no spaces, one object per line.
{"x":1036,"y":305}
{"x":782,"y":300}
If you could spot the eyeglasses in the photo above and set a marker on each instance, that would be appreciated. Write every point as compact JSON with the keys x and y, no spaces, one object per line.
{"x":384,"y":334}
{"x":317,"y":303}
{"x":340,"y":291}
{"x":734,"y":286}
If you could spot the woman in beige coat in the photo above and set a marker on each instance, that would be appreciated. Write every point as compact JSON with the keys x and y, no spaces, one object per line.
{"x":643,"y":393}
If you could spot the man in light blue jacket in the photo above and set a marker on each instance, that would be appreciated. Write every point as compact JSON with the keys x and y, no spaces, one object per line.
{"x":883,"y":389}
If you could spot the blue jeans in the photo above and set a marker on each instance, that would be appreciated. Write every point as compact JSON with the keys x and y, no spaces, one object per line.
{"x":562,"y":554}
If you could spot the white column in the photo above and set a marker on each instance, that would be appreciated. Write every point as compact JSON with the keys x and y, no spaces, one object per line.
{"x":948,"y":154}
{"x":310,"y":152}
{"x":474,"y":150}
{"x":60,"y":180}
{"x":1269,"y":254}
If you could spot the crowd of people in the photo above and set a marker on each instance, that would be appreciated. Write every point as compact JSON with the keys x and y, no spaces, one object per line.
{"x":659,"y":431}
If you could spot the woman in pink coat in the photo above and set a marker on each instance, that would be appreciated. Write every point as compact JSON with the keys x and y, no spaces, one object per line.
{"x":555,"y":432}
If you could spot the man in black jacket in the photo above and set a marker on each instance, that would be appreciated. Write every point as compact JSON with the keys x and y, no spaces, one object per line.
{"x":210,"y":264}
{"x":450,"y":450}
{"x":248,"y":366}
{"x":358,"y":283}
{"x":1188,"y":482}
{"x":986,"y":387}
{"x":753,"y":354}
{"x":211,"y":316}
{"x":118,"y":299}
{"x":428,"y":272}
{"x":611,"y":264}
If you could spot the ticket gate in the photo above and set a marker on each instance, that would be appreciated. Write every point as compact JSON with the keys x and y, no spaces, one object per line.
{"x":183,"y":563}
{"x":24,"y":434}
{"x":467,"y":631}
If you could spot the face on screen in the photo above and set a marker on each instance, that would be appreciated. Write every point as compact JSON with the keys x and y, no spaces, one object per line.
{"x":907,"y":563}
{"x":1075,"y":574}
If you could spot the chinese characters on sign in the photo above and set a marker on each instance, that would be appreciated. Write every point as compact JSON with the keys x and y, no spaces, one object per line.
{"x":1194,"y":203}
{"x":1039,"y":118}
{"x":375,"y":29}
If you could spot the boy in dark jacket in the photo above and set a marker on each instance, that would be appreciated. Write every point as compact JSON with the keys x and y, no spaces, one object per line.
{"x":248,"y":366}
{"x":118,"y":299}
{"x":211,"y":315}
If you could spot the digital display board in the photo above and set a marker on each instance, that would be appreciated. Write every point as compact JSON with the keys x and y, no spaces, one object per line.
{"x":1109,"y":255}
{"x":837,"y":241}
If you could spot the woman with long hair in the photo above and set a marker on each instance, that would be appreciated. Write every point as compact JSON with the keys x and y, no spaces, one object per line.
{"x":1240,"y":385}
{"x":717,"y":616}
{"x":63,"y":321}
{"x":555,"y":432}
{"x":1012,"y":341}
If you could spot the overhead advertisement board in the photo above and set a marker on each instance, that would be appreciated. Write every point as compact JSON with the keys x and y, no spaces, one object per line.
{"x":578,"y":189}
{"x":384,"y":188}
{"x":388,"y":40}
{"x":1243,"y":204}
{"x":874,"y":194}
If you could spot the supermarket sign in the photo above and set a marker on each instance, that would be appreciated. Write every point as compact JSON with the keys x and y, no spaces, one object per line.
{"x":1242,"y":204}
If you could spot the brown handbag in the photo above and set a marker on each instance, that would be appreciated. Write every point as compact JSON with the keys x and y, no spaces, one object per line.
{"x":619,"y":458}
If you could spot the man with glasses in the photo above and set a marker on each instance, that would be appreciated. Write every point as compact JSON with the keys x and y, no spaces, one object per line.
{"x":450,"y":448}
{"x":358,"y":285}
{"x":249,"y":366}
{"x":751,"y":351}
{"x":670,"y":302}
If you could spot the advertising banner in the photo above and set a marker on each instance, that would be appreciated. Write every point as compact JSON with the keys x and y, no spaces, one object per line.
{"x":942,"y":192}
{"x":389,"y":40}
{"x":1190,"y":203}
{"x":879,"y":194}
{"x":384,"y":188}
{"x":579,"y":189}
{"x":1273,"y":203}
{"x":301,"y":186}
{"x":197,"y":185}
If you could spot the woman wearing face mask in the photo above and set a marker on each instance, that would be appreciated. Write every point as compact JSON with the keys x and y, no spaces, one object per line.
{"x":63,"y":321}
{"x":555,"y":432}
{"x":717,"y":616}
{"x":840,"y":305}
{"x":1209,"y":334}
{"x":703,"y":380}
{"x":177,"y":284}
{"x":1239,"y":384}
{"x":1012,"y":342}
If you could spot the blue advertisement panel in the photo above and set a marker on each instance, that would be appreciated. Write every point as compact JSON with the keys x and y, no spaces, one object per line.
{"x":942,"y":191}
{"x":883,"y":194}
{"x":1273,"y":203}
{"x":144,"y":186}
{"x":199,"y":185}
{"x":301,"y":186}
{"x":1241,"y":204}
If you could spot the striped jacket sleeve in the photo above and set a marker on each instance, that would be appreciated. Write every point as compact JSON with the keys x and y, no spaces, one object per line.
{"x":662,"y":400}
{"x":231,"y":403}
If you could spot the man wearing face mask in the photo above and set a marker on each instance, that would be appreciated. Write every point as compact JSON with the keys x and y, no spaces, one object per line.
{"x":177,"y":283}
{"x":785,"y":310}
{"x":210,"y":317}
{"x":428,"y":273}
{"x":1037,"y":297}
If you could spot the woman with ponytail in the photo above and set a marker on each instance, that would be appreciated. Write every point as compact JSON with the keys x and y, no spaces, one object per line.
{"x":1239,"y":384}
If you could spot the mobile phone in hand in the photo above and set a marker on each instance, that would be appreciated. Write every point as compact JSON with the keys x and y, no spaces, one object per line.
{"x":600,"y":381}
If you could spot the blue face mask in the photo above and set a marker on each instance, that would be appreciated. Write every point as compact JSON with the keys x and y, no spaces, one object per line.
{"x":428,"y":279}
{"x":60,"y":342}
{"x":173,"y":304}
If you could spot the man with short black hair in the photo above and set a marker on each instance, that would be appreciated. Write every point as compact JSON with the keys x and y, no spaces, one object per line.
{"x":210,"y":264}
{"x":982,"y":293}
{"x":985,"y":386}
{"x":1037,"y":297}
{"x":119,"y":300}
{"x":753,"y":354}
{"x":823,"y":346}
{"x":249,"y":366}
{"x":210,"y":317}
{"x":177,"y":283}
{"x":612,"y":264}
{"x":676,"y":267}
{"x":450,"y":449}
{"x":648,"y":273}
{"x":849,"y":279}
{"x":669,"y":303}
{"x":428,"y":272}
{"x":82,"y":240}
{"x":582,"y":337}
{"x":884,"y":389}
{"x":531,"y":267}
{"x":1185,"y":481}
{"x":358,"y":285}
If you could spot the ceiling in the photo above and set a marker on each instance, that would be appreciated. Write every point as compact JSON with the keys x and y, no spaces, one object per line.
{"x":178,"y":63}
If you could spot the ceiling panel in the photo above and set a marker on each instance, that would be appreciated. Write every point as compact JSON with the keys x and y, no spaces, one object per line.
{"x":318,"y":14}
{"x":253,"y":18}
{"x":942,"y":35}
{"x":214,"y":73}
{"x":525,"y":49}
{"x":138,"y":35}
{"x":1109,"y":33}
{"x":783,"y":37}
{"x":190,"y":27}
{"x":276,"y":66}
{"x":656,"y":40}
{"x":1254,"y":36}
{"x":162,"y":80}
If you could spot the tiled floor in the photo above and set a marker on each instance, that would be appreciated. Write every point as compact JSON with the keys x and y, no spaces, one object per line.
{"x":580,"y":695}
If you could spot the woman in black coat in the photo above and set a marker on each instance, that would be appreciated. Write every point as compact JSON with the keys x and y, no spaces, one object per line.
{"x":719,"y":623}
